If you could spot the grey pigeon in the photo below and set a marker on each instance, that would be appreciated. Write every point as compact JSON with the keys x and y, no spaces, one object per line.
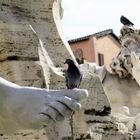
{"x":126,"y":21}
{"x":72,"y":75}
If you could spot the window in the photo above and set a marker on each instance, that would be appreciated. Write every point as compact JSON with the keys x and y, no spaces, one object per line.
{"x":100,"y":59}
{"x":79,"y":56}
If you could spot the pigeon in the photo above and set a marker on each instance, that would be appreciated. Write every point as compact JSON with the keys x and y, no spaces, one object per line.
{"x":126,"y":21}
{"x":73,"y":76}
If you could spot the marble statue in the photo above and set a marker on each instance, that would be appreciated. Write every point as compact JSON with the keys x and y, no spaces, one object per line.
{"x":31,"y":108}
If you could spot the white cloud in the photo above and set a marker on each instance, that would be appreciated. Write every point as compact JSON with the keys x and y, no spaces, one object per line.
{"x":89,"y":16}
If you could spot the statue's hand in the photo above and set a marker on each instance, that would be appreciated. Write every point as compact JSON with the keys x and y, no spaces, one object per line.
{"x":136,"y":67}
{"x":62,"y":103}
{"x":30,"y":107}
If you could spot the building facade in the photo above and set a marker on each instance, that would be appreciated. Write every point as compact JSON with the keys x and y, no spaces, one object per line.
{"x":100,"y":47}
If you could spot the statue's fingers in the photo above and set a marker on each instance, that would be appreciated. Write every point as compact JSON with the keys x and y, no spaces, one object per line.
{"x":61,"y":108}
{"x":70,"y":103}
{"x":77,"y":94}
{"x":52,"y":114}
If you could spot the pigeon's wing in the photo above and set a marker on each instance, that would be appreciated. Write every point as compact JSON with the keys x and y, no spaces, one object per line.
{"x":70,"y":81}
{"x":125,"y":21}
{"x":73,"y":76}
{"x":67,"y":80}
{"x":121,"y":19}
{"x":76,"y":80}
{"x":80,"y":79}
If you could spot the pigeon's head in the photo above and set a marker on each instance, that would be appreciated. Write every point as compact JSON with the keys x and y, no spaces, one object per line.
{"x":69,"y":62}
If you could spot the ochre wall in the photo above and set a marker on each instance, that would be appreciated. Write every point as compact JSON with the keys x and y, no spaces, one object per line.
{"x":108,"y":46}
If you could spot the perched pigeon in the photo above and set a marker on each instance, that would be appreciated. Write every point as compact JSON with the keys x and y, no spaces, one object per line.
{"x":73,"y":75}
{"x":126,"y":21}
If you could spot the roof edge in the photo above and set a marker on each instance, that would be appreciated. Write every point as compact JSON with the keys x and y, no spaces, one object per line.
{"x":97,"y":35}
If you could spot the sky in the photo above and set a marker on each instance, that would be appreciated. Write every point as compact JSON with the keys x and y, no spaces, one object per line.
{"x":85,"y":17}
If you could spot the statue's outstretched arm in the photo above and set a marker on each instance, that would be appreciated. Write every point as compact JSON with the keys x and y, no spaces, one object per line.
{"x":30,"y":107}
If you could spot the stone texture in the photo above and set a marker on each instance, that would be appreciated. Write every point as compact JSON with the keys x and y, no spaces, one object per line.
{"x":19,"y":55}
{"x":14,"y":71}
{"x":17,"y":40}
